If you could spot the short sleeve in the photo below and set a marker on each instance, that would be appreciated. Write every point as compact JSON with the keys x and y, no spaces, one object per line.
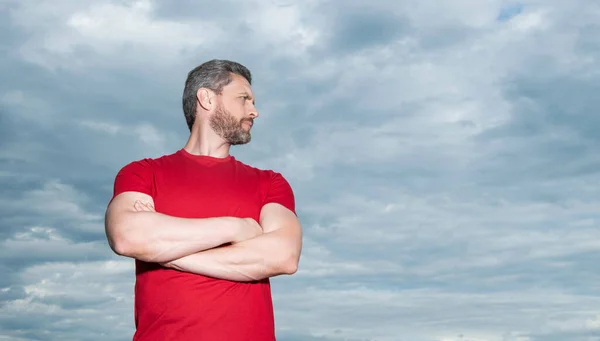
{"x":135,"y":177}
{"x":279,"y":191}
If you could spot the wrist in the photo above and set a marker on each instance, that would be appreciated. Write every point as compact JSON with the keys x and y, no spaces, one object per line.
{"x":233,"y":227}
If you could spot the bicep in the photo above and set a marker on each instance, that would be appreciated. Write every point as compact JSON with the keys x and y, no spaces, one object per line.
{"x":133,"y":182}
{"x":275,"y":217}
{"x":124,"y":201}
{"x":279,"y":207}
{"x":282,"y":227}
{"x":122,"y":204}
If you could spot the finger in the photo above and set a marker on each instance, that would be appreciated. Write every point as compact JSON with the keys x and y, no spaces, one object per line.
{"x":139,"y":206}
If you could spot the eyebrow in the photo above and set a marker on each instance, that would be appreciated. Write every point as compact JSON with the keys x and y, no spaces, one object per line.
{"x":247,"y":94}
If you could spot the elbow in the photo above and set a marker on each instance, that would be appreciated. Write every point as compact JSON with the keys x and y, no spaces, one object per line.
{"x":290,"y":265}
{"x":129,"y":248}
{"x":290,"y":268}
{"x":119,"y":242}
{"x":120,"y":246}
{"x":132,"y":247}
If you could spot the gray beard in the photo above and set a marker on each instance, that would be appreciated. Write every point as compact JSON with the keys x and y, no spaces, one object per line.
{"x":230,"y":129}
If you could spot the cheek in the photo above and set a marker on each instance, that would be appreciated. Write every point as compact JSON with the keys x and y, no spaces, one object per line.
{"x":240,"y":111}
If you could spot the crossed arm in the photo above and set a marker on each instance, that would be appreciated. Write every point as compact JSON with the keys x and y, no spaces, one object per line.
{"x":257,"y":251}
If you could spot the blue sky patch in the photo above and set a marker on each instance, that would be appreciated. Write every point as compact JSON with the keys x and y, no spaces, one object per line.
{"x":509,"y":11}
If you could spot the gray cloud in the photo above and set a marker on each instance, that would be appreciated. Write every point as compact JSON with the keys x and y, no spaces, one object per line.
{"x":356,"y":27}
{"x":71,"y":301}
{"x":443,"y":160}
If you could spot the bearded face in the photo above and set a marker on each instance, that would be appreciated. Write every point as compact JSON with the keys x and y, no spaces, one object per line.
{"x":229,"y":128}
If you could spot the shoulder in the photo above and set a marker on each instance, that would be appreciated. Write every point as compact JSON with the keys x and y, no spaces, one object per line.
{"x":265,"y":174}
{"x":145,"y":163}
{"x":148,"y":164}
{"x":274,"y":187}
{"x":141,"y":170}
{"x":138,"y":176}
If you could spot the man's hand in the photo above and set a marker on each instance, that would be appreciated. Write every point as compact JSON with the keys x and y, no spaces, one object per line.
{"x":134,"y":229}
{"x":249,"y":228}
{"x":275,"y":252}
{"x":146,"y":207}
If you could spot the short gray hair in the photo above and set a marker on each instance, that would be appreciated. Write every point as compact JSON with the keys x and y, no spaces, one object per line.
{"x":214,"y":75}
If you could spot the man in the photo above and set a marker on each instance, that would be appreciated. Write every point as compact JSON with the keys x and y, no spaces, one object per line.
{"x":207,"y":231}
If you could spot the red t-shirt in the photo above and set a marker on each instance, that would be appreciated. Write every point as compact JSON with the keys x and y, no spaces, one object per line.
{"x":175,"y":305}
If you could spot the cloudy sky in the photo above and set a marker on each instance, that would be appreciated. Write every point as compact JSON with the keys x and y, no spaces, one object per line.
{"x":444,"y":156}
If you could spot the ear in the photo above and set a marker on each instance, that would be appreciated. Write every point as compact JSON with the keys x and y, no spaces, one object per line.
{"x":206,"y":98}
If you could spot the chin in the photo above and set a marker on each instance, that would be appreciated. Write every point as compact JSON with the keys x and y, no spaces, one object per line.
{"x":242,"y":139}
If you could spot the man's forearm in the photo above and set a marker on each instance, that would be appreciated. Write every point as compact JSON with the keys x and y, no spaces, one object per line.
{"x":156,"y":237}
{"x":271,"y":254}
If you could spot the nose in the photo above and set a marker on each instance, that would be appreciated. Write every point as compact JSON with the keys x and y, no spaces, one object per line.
{"x":253,"y":112}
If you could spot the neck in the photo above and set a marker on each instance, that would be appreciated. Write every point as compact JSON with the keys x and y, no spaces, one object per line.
{"x":204,"y":141}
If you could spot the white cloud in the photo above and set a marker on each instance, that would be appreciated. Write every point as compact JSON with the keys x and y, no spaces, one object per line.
{"x":31,"y":108}
{"x":79,"y":35}
{"x":127,"y":31}
{"x":529,"y":22}
{"x":150,"y":140}
{"x":57,"y":199}
{"x":108,"y":27}
{"x":150,"y":135}
{"x":284,"y":25}
{"x":13,"y":98}
{"x":472,"y":13}
{"x":104,"y":127}
{"x":427,"y":213}
{"x":50,"y":247}
{"x":370,"y":314}
{"x":414,"y":226}
{"x":74,"y":301}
